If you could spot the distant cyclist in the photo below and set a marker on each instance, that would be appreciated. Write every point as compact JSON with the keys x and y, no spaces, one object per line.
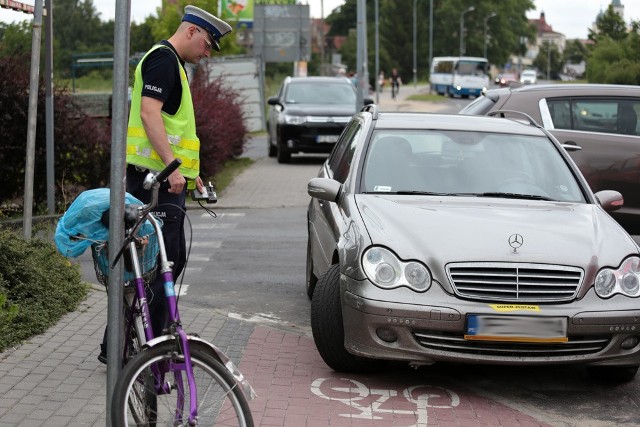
{"x":395,"y":81}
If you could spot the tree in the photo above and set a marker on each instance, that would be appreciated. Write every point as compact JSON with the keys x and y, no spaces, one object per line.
{"x":15,"y":39}
{"x":549,"y":56}
{"x":78,"y":29}
{"x":609,"y":24}
{"x":615,"y":61}
{"x":396,"y":30}
{"x":575,"y":52}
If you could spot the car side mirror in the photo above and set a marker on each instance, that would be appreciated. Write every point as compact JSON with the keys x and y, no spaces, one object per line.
{"x":610,"y":200}
{"x":324,"y":189}
{"x":274,"y":100}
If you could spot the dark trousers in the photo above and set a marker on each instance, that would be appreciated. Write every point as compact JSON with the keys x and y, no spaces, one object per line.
{"x":171,"y":211}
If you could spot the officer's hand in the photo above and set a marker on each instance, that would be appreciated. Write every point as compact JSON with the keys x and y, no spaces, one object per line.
{"x":199,"y":184}
{"x":176,"y":182}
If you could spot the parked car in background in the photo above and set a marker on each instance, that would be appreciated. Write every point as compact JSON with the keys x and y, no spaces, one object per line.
{"x":596,"y":124}
{"x":528,"y":77}
{"x":506,"y":79}
{"x":308,"y":114}
{"x":466,"y":239}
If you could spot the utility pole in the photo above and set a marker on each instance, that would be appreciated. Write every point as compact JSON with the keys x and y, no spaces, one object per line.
{"x":415,"y":60}
{"x":470,"y":9}
{"x":361,"y":55}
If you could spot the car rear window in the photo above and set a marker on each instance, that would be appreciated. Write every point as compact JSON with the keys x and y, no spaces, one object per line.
{"x":478,"y":107}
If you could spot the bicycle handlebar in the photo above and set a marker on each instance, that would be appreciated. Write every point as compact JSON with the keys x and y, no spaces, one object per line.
{"x":164,"y":173}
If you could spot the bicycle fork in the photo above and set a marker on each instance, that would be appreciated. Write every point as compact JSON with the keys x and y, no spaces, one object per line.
{"x":181,"y":336}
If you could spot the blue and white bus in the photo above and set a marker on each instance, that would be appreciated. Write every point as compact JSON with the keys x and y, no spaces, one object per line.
{"x":459,"y":75}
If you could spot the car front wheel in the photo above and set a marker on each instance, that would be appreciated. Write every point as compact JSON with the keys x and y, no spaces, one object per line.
{"x":328,"y":330}
{"x":283,"y":155}
{"x":271,"y":148}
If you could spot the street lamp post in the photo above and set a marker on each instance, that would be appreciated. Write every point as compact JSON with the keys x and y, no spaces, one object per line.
{"x":486,"y":19}
{"x":462,"y":28}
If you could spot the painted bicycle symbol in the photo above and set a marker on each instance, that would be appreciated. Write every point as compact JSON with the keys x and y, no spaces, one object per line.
{"x":374,"y":404}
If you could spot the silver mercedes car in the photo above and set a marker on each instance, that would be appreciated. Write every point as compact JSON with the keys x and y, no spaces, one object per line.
{"x":467,"y":239}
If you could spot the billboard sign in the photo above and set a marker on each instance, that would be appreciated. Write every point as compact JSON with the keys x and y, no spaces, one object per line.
{"x":282,"y":33}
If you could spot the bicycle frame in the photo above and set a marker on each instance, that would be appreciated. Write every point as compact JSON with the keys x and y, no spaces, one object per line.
{"x":175,"y":327}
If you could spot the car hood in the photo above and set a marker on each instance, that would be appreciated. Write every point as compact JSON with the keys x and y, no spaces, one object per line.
{"x":320,"y":109}
{"x":452,"y":229}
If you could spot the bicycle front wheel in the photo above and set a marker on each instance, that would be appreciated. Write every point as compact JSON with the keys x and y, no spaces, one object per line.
{"x":141,"y":397}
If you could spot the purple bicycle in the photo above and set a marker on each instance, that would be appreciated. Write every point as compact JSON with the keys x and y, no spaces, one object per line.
{"x":175,"y":379}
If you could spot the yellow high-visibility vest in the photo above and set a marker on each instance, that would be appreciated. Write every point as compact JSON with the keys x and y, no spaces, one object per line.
{"x":180,"y":128}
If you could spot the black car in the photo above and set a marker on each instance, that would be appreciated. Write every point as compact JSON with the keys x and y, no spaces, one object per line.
{"x":597,"y":124}
{"x":308,"y":115}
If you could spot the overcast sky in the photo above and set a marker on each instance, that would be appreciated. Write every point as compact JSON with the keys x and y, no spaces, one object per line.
{"x":573,"y":18}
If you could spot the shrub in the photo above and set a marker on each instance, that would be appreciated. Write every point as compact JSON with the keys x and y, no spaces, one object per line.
{"x":219,"y":121}
{"x":40,"y":286}
{"x":81,"y":153}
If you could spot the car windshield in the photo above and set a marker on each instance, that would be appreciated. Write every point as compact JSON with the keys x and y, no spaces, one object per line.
{"x":460,"y":163}
{"x":320,"y":93}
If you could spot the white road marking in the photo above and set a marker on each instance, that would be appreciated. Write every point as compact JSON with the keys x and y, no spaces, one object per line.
{"x":211,"y":244}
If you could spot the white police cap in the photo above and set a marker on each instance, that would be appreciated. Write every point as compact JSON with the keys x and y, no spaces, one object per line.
{"x":215,"y":26}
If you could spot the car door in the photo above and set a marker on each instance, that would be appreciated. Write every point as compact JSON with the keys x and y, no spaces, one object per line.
{"x":605,"y":132}
{"x":274,"y":113}
{"x":325,"y":218}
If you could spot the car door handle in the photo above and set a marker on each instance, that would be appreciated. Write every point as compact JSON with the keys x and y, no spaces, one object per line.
{"x":571,"y":146}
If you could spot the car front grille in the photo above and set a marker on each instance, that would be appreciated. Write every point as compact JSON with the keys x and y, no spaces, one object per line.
{"x":329,"y":119}
{"x":513,"y":282}
{"x":455,"y":343}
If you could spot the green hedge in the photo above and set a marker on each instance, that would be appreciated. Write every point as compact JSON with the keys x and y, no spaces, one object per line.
{"x":37,"y":287}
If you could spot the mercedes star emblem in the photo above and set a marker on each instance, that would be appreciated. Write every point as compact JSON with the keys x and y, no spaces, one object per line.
{"x":515,"y":241}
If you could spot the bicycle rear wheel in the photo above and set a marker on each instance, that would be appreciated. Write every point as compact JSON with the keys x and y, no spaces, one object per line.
{"x":220,"y":400}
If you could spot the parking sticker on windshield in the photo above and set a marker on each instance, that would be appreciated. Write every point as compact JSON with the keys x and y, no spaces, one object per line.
{"x":382,"y":188}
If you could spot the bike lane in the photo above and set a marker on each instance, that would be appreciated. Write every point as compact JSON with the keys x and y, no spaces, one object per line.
{"x":296,"y":388}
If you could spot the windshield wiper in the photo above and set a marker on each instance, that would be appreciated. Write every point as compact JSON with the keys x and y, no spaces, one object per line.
{"x":515,"y":196}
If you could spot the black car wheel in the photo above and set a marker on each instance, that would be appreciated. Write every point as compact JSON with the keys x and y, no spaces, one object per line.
{"x":272,"y":150}
{"x":328,"y":330}
{"x":283,"y":155}
{"x":612,"y":374}
{"x":312,"y":280}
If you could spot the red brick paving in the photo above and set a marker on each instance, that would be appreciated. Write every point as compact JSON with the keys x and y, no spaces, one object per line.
{"x":295,"y":388}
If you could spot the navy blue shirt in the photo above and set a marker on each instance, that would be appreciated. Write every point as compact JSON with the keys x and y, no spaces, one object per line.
{"x":161,"y":77}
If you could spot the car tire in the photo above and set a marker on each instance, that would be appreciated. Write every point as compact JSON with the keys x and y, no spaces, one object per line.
{"x":328,"y":329}
{"x":311,"y":279}
{"x":612,"y":374}
{"x":272,"y":150}
{"x":283,"y":155}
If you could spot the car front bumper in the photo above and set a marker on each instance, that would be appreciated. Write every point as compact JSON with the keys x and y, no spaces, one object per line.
{"x":310,"y":137}
{"x":430,"y":327}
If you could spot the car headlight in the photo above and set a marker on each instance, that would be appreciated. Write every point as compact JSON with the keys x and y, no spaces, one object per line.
{"x":385,"y":270}
{"x":294,"y":120}
{"x":624,"y":280}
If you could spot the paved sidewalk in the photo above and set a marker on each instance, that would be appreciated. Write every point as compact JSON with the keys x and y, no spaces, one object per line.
{"x":55,"y":379}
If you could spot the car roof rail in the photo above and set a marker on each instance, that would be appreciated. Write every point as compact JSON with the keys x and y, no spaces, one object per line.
{"x":503,"y":113}
{"x":374,"y":109}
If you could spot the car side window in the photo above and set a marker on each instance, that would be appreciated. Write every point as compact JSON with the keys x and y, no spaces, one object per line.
{"x":340,"y":160}
{"x":560,"y":111}
{"x":596,"y":115}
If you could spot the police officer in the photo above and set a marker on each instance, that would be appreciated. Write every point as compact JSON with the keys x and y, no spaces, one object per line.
{"x":162,"y":127}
